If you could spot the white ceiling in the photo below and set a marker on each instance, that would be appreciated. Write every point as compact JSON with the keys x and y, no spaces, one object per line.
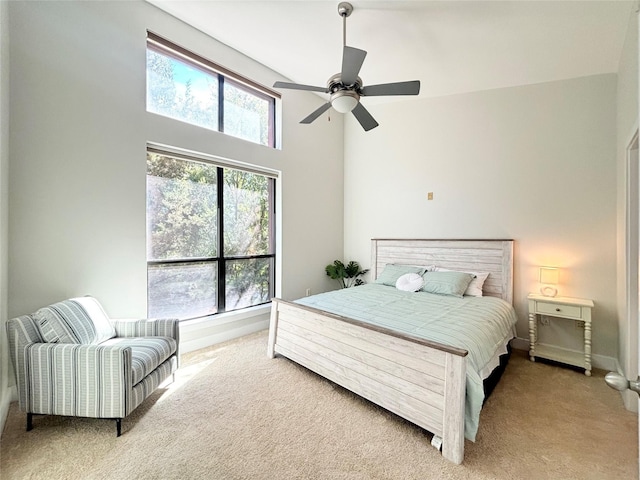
{"x":450,"y":46}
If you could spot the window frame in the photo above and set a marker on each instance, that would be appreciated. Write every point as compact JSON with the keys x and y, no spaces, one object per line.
{"x":165,"y":47}
{"x":221,"y":259}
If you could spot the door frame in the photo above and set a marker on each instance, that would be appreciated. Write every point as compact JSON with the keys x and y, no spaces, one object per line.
{"x":629,"y":341}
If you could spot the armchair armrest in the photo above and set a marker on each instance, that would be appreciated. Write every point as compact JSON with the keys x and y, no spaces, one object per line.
{"x":150,"y":327}
{"x":96,"y":380}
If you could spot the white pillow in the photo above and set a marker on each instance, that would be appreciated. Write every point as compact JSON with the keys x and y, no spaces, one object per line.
{"x":410,"y":282}
{"x":475,"y":287}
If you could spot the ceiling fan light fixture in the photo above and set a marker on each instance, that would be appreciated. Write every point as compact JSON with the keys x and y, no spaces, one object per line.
{"x":344,"y":101}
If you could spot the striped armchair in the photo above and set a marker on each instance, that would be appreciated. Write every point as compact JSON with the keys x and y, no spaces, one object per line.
{"x":70,"y":359}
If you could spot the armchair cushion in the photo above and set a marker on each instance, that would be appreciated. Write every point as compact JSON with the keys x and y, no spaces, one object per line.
{"x":78,"y":320}
{"x":147,"y":353}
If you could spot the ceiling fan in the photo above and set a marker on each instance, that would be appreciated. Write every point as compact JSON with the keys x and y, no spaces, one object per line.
{"x":346,"y":88}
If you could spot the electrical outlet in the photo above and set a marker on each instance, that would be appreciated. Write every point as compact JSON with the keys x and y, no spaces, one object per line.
{"x":579,"y":324}
{"x":308,"y":292}
{"x":544,"y":320}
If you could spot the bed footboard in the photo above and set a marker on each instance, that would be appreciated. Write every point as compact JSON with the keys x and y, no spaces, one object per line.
{"x":421,"y":381}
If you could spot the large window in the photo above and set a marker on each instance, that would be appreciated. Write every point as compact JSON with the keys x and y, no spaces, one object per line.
{"x":210,"y":237}
{"x":192,"y":89}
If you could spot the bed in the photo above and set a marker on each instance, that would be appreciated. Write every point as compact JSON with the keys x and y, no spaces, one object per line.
{"x":427,"y":381}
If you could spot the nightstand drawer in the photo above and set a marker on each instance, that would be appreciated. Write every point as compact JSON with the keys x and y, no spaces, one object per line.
{"x":556,"y":309}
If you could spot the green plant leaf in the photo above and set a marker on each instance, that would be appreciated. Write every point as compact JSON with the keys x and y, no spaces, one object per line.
{"x":346,"y":275}
{"x":336,"y":270}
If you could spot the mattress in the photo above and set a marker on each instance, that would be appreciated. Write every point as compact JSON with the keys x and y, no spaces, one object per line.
{"x":480,"y":325}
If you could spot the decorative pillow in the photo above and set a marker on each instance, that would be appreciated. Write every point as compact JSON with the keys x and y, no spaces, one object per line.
{"x":423,"y":268}
{"x":78,"y":320}
{"x":104,"y":329}
{"x":393,"y":272}
{"x":475,"y":287}
{"x":410,"y":282}
{"x":446,"y":283}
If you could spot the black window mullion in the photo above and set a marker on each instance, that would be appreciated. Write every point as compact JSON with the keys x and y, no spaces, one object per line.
{"x":222,"y":268}
{"x":185,"y":261}
{"x":221,"y":103}
{"x":249,"y":257}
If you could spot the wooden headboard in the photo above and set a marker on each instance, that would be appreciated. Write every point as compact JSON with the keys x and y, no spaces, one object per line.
{"x":493,"y":256}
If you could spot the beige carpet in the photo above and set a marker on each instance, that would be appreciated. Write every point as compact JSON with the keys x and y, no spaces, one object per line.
{"x":235,"y":414}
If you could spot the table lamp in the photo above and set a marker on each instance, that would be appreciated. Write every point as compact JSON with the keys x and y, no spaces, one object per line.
{"x":549,"y":278}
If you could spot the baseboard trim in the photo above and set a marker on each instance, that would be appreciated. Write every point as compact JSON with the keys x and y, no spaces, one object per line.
{"x":229,"y":332}
{"x":10,"y":395}
{"x":520,"y":344}
{"x":597,"y":361}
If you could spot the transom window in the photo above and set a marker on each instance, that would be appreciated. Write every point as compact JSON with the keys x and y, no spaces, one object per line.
{"x":192,"y":89}
{"x":210,"y":237}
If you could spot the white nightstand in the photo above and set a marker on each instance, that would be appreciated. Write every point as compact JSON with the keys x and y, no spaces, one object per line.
{"x":560,"y":307}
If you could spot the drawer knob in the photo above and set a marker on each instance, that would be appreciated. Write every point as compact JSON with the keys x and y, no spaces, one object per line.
{"x":557,"y":309}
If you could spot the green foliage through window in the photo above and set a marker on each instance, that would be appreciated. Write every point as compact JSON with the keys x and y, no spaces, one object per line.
{"x":187,"y":90}
{"x":210,"y":246}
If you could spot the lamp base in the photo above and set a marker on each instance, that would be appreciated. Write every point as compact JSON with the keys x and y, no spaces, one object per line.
{"x":548,"y":291}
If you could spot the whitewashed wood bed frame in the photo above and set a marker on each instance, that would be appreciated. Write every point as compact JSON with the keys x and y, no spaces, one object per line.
{"x":419,"y":380}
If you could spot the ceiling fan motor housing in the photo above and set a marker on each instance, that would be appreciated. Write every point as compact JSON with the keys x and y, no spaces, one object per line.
{"x":335,"y":84}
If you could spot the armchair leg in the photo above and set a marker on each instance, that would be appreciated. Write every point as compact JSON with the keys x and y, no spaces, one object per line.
{"x":118,"y":426}
{"x":29,"y":421}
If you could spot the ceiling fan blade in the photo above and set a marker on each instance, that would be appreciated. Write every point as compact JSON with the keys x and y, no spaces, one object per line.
{"x":352,"y":60}
{"x":316,"y":113}
{"x":399,"y":88}
{"x":297,"y":86}
{"x":364,"y":117}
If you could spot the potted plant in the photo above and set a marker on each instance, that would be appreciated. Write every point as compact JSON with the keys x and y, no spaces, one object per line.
{"x":348,"y":275}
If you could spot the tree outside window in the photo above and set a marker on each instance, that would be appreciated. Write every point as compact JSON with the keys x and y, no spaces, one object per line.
{"x":186,"y":89}
{"x":209,"y":241}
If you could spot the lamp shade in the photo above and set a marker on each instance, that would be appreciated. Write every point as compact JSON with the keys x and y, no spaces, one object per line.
{"x":549,"y":275}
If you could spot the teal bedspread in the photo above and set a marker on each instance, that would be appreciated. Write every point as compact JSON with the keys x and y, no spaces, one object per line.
{"x":480,"y":325}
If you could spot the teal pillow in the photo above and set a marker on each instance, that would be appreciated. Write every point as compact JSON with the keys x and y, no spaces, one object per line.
{"x":446,"y":283}
{"x":392,"y":272}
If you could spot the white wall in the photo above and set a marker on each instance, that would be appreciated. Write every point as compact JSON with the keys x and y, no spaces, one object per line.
{"x":627,"y":125}
{"x":5,"y":379}
{"x":77,"y":157}
{"x":533,"y":163}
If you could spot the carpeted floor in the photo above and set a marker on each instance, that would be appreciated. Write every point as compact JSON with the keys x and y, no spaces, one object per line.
{"x":235,"y":414}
